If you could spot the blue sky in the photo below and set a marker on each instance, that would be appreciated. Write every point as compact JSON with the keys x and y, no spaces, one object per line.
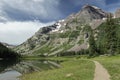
{"x":22,"y":18}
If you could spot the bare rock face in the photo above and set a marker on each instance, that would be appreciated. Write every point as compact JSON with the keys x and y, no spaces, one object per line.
{"x":117,"y":13}
{"x":64,"y":34}
{"x":40,"y":38}
{"x":90,"y":13}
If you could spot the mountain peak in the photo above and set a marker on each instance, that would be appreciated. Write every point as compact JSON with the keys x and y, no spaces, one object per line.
{"x":86,"y":6}
{"x":89,"y":6}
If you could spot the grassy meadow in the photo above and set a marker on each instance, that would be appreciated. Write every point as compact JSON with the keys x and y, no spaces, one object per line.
{"x":70,"y":70}
{"x":78,"y":68}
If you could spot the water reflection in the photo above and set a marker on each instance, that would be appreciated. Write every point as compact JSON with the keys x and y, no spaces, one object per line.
{"x":10,"y":70}
{"x":4,"y":64}
{"x":35,"y":65}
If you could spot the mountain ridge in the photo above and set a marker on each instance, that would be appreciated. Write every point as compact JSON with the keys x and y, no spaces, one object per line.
{"x":65,"y":35}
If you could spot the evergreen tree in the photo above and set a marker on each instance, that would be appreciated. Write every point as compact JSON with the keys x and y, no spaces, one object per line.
{"x":92,"y":45}
{"x":6,"y":53}
{"x":111,"y":36}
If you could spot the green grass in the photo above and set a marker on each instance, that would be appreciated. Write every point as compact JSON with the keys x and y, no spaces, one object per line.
{"x":43,"y":50}
{"x":74,"y":68}
{"x":70,"y":70}
{"x":65,"y":34}
{"x":70,"y":34}
{"x":74,"y":34}
{"x":48,"y":58}
{"x":81,"y":41}
{"x":112,"y":64}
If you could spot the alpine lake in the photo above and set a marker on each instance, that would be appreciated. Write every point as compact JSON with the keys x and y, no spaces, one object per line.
{"x":12,"y":69}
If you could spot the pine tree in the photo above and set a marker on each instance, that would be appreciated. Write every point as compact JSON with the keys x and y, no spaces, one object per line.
{"x":111,"y":36}
{"x":92,"y":48}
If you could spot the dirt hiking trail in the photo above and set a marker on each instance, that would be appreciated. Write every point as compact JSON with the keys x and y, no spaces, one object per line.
{"x":100,"y":72}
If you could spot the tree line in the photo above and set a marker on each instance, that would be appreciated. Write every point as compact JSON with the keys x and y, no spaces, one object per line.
{"x":6,"y":53}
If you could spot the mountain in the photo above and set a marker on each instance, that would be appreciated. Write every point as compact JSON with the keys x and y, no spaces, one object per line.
{"x":8,"y":45}
{"x":69,"y":34}
{"x":6,"y":53}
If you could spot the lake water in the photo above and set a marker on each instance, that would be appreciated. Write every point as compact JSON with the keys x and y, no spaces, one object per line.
{"x":11,"y":70}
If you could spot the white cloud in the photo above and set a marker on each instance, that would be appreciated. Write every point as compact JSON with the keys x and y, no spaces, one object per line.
{"x":39,"y":8}
{"x":15,"y":31}
{"x":38,"y":0}
{"x":18,"y":32}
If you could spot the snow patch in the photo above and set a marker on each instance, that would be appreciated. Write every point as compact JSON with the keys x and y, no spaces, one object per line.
{"x":95,"y":7}
{"x":65,"y":24}
{"x":61,"y":20}
{"x":57,"y":27}
{"x":104,"y":18}
{"x":61,"y":31}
